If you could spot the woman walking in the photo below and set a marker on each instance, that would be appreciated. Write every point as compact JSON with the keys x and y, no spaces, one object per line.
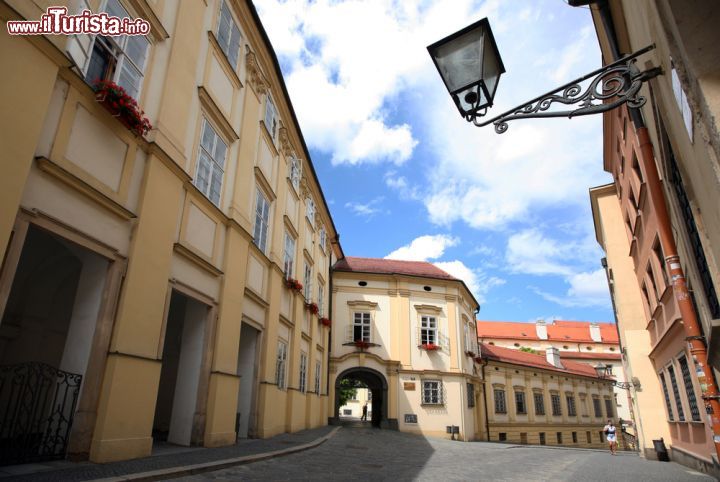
{"x":611,"y":435}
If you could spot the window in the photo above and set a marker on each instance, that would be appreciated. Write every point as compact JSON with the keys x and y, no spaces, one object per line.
{"x":310,"y":210}
{"x":682,"y":102}
{"x":295,"y":172}
{"x":609,"y":408}
{"x":289,"y":255}
{"x":559,"y":437}
{"x":361,"y":326}
{"x":432,"y":392}
{"x":281,"y":364}
{"x":570,"y":400}
{"x":321,"y":300}
{"x":539,"y":403}
{"x":574,"y":437}
{"x":271,"y":121}
{"x":318,"y":366}
{"x":523,"y":438}
{"x":666,"y":392}
{"x":596,"y":407}
{"x":428,"y":330}
{"x":556,"y":407}
{"x":323,"y":238}
{"x":303,"y":372}
{"x":228,"y":35}
{"x":676,"y":393}
{"x":500,"y":406}
{"x":588,"y":436}
{"x":262,"y":217}
{"x":307,"y":279}
{"x":119,"y":58}
{"x":520,"y":407}
{"x":502,"y":436}
{"x":470,"y":395}
{"x":689,"y":390}
{"x":210,"y":163}
{"x":347,"y":411}
{"x":542,"y":438}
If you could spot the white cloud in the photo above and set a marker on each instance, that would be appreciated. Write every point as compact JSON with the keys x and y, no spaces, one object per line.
{"x":530,"y":252}
{"x":586,"y":289}
{"x":424,"y":248}
{"x":475,"y":279}
{"x":368,"y":209}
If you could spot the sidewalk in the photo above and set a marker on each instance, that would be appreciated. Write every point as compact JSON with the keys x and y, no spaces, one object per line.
{"x":172,"y":462}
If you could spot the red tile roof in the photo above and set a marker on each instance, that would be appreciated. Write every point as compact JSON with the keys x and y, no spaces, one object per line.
{"x":517,"y":357}
{"x":391,"y":266}
{"x":558,"y":330}
{"x":590,"y":356}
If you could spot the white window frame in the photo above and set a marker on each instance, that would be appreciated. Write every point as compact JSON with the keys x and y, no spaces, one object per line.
{"x":682,"y":101}
{"x":429,"y":330}
{"x":432,"y":392}
{"x":322,"y":238}
{"x":228,"y":35}
{"x":261,"y":229}
{"x":321,"y":299}
{"x":303,"y":372}
{"x":289,"y":255}
{"x":208,"y":160}
{"x":310,"y":210}
{"x":307,"y":280}
{"x":281,"y":365}
{"x":271,"y":117}
{"x":362,"y":321}
{"x":117,"y":46}
{"x":318,"y":367}
{"x":295,"y":172}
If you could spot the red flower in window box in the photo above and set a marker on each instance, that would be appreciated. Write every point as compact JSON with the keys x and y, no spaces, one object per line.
{"x":363,"y":345}
{"x":294,"y":284}
{"x":312,"y":307}
{"x":470,"y":353}
{"x":121,"y":105}
{"x":325,"y":321}
{"x":430,"y":346}
{"x":478,"y":359}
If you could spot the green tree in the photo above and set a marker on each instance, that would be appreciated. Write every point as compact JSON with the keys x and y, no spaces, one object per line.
{"x":348,"y":389}
{"x":527,"y":349}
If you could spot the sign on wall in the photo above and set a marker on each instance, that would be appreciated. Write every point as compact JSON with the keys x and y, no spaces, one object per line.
{"x":409,"y":386}
{"x":410,"y":418}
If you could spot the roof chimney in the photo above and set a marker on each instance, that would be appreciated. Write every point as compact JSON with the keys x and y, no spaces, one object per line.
{"x":541,"y":329}
{"x":595,"y":332}
{"x":552,"y":355}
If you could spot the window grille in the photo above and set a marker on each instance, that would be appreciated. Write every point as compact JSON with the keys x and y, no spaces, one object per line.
{"x":500,"y":406}
{"x":689,"y":390}
{"x":570,"y":400}
{"x":609,"y":408}
{"x":520,"y":407}
{"x":666,"y":392}
{"x":432,"y":393}
{"x":556,"y":407}
{"x":676,"y":394}
{"x":596,"y":407}
{"x":539,"y":403}
{"x":470,"y":395}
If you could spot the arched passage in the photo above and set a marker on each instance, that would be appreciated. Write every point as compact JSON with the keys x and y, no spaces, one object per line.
{"x":376,"y":383}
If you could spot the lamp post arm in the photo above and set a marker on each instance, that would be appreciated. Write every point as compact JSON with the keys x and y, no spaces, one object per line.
{"x":619,"y":81}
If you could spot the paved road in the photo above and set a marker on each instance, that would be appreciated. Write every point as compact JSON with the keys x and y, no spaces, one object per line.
{"x":370,"y":455}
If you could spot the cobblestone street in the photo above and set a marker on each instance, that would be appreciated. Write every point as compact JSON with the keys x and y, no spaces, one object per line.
{"x":367,"y":454}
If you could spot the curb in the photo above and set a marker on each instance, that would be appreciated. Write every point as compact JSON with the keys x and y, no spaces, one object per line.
{"x":217,"y":464}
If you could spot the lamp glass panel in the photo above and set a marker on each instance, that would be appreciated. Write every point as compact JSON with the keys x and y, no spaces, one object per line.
{"x":468,"y":107}
{"x":460,"y":60}
{"x":491,"y":67}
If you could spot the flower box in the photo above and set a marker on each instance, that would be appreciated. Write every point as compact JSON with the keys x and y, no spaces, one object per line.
{"x":312,"y":307}
{"x":429,"y":347}
{"x":363,"y":345}
{"x":293,"y":285}
{"x":121,"y":105}
{"x":469,"y":353}
{"x":325,"y":321}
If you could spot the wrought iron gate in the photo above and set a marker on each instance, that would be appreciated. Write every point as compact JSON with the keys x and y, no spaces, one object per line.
{"x":37,"y":405}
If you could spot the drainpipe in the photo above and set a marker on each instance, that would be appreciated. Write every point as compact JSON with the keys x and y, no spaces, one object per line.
{"x":691,"y":326}
{"x":483,"y":364}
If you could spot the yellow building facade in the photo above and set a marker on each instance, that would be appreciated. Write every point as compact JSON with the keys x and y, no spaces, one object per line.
{"x":407,"y":331}
{"x":541,"y":399}
{"x":154,"y":267}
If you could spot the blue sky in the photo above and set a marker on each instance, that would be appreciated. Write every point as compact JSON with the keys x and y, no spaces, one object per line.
{"x":406,"y":177}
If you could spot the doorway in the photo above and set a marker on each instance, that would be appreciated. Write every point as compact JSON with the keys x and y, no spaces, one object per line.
{"x":46,"y":336}
{"x":376,"y":385}
{"x":247,"y":371}
{"x":175,"y":410}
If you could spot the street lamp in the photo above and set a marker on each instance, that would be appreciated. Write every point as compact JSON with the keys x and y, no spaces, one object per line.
{"x":470,"y":65}
{"x":605,"y":371}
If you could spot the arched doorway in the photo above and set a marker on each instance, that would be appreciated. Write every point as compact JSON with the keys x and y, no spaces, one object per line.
{"x":376,"y":384}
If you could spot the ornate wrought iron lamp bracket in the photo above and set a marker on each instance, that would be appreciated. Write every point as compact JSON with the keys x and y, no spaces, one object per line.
{"x":611,"y":86}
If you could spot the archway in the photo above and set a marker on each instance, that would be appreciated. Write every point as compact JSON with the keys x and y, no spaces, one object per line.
{"x":378,"y":387}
